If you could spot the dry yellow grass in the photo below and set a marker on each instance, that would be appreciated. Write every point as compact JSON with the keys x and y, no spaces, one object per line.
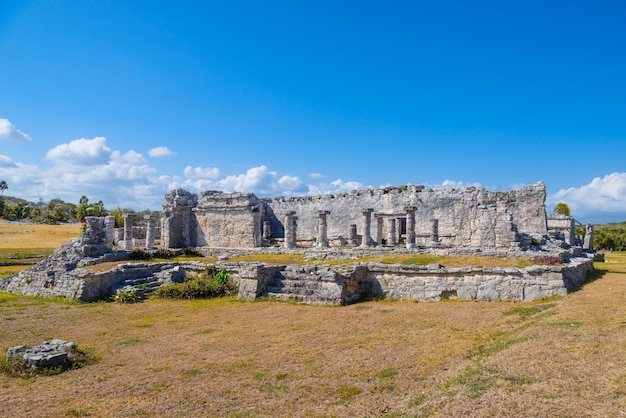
{"x":23,"y":244}
{"x":562,"y":357}
{"x":35,"y":237}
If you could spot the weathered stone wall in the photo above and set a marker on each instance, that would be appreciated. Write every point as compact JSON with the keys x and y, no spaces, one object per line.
{"x":347,"y":284}
{"x":470,"y":217}
{"x":179,"y":224}
{"x":229,"y":220}
{"x":566,"y":225}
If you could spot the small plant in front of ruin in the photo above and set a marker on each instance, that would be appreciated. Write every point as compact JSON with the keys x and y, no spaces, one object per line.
{"x":127,"y":296}
{"x":211,"y":283}
{"x":163,"y":253}
{"x":192,"y":252}
{"x":137,"y":254}
{"x":547,"y":260}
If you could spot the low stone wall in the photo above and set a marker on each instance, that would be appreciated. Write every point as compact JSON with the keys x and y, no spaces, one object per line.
{"x":350,"y":283}
{"x":343,"y":284}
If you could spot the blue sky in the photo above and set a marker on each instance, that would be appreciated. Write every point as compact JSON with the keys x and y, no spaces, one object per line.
{"x":122,"y":101}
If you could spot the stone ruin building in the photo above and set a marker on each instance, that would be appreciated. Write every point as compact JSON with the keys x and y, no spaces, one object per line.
{"x":411,"y":216}
{"x":400,"y":219}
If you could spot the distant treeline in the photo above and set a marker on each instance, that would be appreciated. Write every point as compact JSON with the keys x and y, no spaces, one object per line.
{"x":610,"y":237}
{"x":56,"y":211}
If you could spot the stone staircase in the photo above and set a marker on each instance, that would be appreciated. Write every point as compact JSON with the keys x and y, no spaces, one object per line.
{"x":145,"y":286}
{"x":283,"y":288}
{"x":309,"y":284}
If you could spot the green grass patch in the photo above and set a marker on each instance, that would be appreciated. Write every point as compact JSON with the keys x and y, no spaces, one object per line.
{"x":387,"y":373}
{"x":346,"y":393}
{"x":525,"y":312}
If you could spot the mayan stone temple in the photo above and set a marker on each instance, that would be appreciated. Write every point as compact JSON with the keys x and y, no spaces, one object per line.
{"x":411,"y":216}
{"x":340,"y":227}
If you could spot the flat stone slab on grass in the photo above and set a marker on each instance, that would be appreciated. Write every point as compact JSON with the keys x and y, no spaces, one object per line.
{"x":54,"y":353}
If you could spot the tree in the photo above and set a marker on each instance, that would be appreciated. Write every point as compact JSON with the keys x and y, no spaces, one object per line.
{"x":562,"y":209}
{"x":3,"y":186}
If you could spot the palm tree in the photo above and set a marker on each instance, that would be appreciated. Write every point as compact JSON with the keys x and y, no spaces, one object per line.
{"x":3,"y":186}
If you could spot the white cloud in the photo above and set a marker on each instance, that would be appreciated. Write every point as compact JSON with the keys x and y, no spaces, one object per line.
{"x":334,"y":187}
{"x":6,"y":161}
{"x":160,"y":152}
{"x":316,"y":176}
{"x":453,"y":184}
{"x":81,"y":152}
{"x":291,"y":183}
{"x":256,"y":179}
{"x":202,"y":172}
{"x":9,"y":131}
{"x":602,"y":197}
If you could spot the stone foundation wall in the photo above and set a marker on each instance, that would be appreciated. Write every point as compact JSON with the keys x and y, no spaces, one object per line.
{"x":347,"y":284}
{"x":323,"y":284}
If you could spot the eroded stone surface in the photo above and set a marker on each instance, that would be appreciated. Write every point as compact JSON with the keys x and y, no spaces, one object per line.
{"x":54,"y":353}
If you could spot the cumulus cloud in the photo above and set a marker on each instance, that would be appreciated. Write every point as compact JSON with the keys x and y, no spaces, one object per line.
{"x":453,"y":184}
{"x":202,"y":172}
{"x":334,"y":187}
{"x":316,"y":176}
{"x":256,"y":179}
{"x":160,"y":152}
{"x":10,"y":132}
{"x":89,"y":167}
{"x":81,"y":152}
{"x":603,"y":196}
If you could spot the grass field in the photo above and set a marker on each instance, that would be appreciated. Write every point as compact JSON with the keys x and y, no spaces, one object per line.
{"x":561,"y":357}
{"x":22,"y":245}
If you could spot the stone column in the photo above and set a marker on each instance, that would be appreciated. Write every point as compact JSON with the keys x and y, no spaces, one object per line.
{"x":109,"y":227}
{"x":391,"y":231}
{"x":588,"y":243}
{"x":367,"y":223}
{"x":352,"y":235}
{"x":149,"y":232}
{"x":128,"y":231}
{"x":322,"y":228}
{"x":380,"y":226}
{"x":434,"y":231}
{"x":267,"y":230}
{"x":290,"y":236}
{"x":410,"y":226}
{"x":570,"y":232}
{"x":294,"y":243}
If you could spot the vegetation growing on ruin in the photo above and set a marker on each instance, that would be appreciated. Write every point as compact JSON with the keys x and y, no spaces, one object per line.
{"x":211,"y":283}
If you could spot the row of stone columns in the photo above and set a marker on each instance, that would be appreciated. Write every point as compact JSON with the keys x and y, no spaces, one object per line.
{"x":128,"y":231}
{"x":367,"y":241}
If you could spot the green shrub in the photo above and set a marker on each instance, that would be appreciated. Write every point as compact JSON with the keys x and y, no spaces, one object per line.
{"x":127,"y":296}
{"x":163,"y":253}
{"x":192,"y":252}
{"x":209,"y":284}
{"x":140,"y":255}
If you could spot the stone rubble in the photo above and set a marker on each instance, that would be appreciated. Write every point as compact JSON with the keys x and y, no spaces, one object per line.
{"x":54,"y":353}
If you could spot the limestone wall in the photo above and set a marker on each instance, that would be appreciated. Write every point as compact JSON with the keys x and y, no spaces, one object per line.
{"x":347,"y":284}
{"x":468,"y":217}
{"x":229,"y":220}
